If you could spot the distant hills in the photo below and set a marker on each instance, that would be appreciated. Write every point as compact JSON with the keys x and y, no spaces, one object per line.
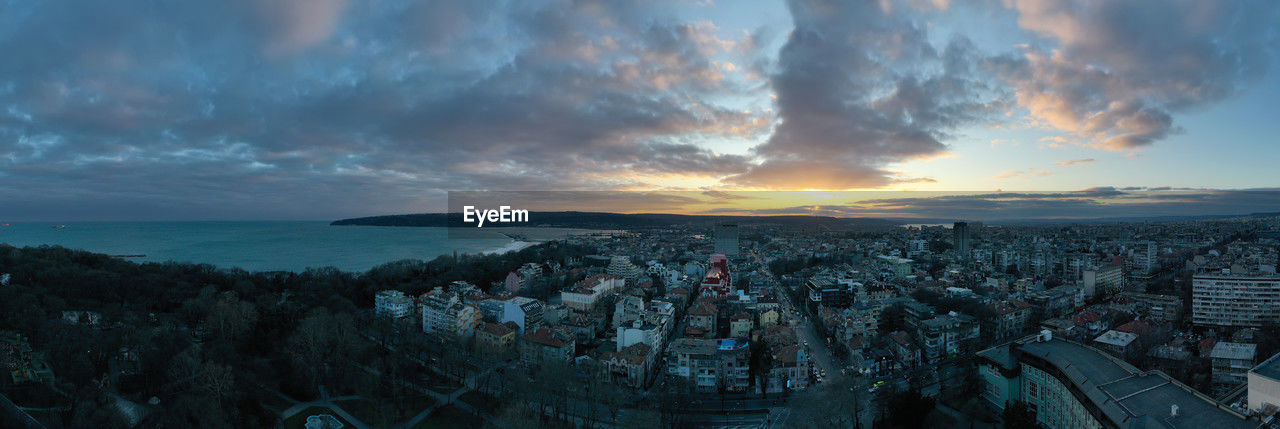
{"x":599,"y":220}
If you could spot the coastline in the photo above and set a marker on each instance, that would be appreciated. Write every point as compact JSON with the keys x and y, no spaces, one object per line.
{"x":513,"y":246}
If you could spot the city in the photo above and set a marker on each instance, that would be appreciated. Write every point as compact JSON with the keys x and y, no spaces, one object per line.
{"x":649,"y":214}
{"x":735,"y":325}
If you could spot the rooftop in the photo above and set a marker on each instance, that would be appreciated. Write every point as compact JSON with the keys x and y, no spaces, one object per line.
{"x":1228,"y":350}
{"x":1116,"y":338}
{"x":1269,"y":368}
{"x":1130,"y":397}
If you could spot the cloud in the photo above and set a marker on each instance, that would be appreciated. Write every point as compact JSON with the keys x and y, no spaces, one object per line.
{"x":1115,"y":73}
{"x":1022,"y":174}
{"x":860,"y":85}
{"x":1075,"y":162}
{"x":1091,"y":203}
{"x":138,"y":109}
{"x":219,"y":106}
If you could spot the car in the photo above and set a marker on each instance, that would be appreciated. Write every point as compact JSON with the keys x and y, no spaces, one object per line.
{"x":873,"y":389}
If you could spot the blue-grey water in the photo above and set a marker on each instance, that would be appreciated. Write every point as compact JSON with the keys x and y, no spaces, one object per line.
{"x":254,"y":246}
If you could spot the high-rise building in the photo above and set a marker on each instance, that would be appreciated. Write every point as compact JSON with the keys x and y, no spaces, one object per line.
{"x":962,"y":239}
{"x":1235,"y":299}
{"x":1146,"y":256}
{"x":1104,"y":280}
{"x":726,"y":235}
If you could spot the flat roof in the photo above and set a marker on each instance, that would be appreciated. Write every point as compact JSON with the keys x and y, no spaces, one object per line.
{"x":1116,"y":338}
{"x":1130,"y":397}
{"x":1269,"y":368}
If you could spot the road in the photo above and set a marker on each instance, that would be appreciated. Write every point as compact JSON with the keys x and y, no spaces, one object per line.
{"x":819,"y":353}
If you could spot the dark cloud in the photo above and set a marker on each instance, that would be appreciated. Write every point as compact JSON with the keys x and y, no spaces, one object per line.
{"x":860,"y":85}
{"x":321,"y":108}
{"x":381,"y":105}
{"x":1092,"y":203}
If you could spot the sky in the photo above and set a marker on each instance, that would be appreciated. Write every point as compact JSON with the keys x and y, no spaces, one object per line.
{"x":323,"y":109}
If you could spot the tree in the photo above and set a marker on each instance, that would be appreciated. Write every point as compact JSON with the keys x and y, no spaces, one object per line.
{"x":1019,"y":415}
{"x":907,"y":409}
{"x":837,"y":403}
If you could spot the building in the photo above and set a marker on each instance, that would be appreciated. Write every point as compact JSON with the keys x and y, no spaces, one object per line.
{"x":1232,"y":362}
{"x":524,"y":312}
{"x":586,"y":294}
{"x":703,"y":316}
{"x":740,"y":325}
{"x":1115,"y":342}
{"x":1057,"y":301}
{"x":1163,"y":308}
{"x":547,"y":345}
{"x":497,"y":339}
{"x":713,"y":365}
{"x":1104,"y":280}
{"x":1011,"y":319}
{"x":904,"y":350}
{"x":444,"y":315}
{"x":717,"y":282}
{"x":962,"y":239}
{"x":726,"y":235}
{"x":622,"y":267}
{"x":392,"y":303}
{"x":1146,"y":258}
{"x":769,"y":317}
{"x":631,"y":366}
{"x":789,"y":369}
{"x":826,"y":291}
{"x":627,"y":309}
{"x":1264,"y":386}
{"x":946,"y":335}
{"x":1235,"y":299}
{"x":1070,"y":385}
{"x":639,"y":332}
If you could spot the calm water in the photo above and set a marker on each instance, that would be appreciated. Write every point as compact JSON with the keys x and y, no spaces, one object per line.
{"x":254,"y":246}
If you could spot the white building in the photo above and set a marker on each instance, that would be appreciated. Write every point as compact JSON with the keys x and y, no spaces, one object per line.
{"x":639,"y":332}
{"x":525,"y":312}
{"x":1264,"y":385}
{"x":444,"y":315}
{"x":392,"y":303}
{"x":621,"y":266}
{"x":1235,"y":300}
{"x":585,"y":295}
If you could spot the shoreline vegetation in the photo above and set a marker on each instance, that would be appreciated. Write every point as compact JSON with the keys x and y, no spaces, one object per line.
{"x":190,"y":345}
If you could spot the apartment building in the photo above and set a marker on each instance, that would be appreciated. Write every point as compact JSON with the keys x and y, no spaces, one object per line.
{"x":1235,"y":299}
{"x":392,"y":303}
{"x":586,"y":294}
{"x":444,"y":314}
{"x":1232,"y":362}
{"x":712,"y":365}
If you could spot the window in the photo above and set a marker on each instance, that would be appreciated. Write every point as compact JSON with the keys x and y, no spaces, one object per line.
{"x":1033,"y":390}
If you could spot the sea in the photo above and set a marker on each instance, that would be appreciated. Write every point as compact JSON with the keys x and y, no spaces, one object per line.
{"x":267,"y":246}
